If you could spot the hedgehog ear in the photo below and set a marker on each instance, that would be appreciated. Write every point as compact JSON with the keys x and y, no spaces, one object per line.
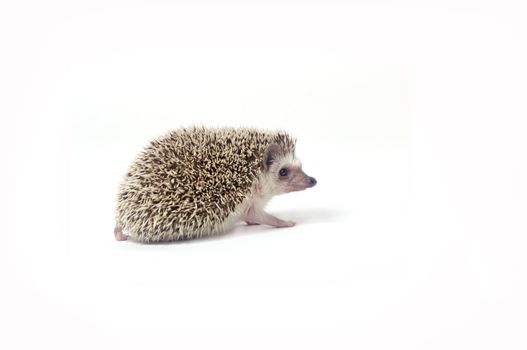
{"x":270,"y":155}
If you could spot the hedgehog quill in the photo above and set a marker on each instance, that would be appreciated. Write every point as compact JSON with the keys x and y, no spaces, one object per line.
{"x":199,"y":181}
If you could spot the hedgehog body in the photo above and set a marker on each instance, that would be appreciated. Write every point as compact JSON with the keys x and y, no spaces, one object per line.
{"x":195,"y":182}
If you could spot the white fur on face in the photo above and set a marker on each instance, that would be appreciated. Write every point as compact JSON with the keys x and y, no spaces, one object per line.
{"x":289,"y":161}
{"x":271,"y":183}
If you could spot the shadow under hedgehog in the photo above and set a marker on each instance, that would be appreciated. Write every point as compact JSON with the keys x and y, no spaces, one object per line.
{"x":195,"y":182}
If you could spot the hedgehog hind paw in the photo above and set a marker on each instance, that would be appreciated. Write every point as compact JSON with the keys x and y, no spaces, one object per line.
{"x":118,"y":233}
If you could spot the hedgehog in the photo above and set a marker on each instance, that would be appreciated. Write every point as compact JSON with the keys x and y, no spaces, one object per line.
{"x":199,"y":181}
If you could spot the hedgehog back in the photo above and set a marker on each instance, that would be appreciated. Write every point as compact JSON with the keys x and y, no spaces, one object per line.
{"x":187,"y":182}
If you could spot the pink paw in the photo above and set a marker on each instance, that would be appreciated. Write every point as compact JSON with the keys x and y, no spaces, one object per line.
{"x":251,"y":223}
{"x":119,"y":236}
{"x":286,"y":224}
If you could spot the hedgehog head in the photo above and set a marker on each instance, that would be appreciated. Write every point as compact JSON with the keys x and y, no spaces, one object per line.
{"x":282,"y":172}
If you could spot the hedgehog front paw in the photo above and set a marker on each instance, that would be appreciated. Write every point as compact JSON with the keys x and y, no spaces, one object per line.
{"x":286,"y":224}
{"x":250,"y":223}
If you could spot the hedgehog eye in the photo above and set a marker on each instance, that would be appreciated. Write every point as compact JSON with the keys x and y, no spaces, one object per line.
{"x":283,"y":172}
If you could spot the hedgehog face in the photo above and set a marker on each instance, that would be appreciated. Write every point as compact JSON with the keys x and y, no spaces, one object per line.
{"x":290,"y":177}
{"x":283,"y":173}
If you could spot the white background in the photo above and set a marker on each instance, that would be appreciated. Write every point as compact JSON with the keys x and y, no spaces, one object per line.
{"x":411,"y":115}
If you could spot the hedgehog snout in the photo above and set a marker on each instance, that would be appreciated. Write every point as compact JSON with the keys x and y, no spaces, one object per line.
{"x":312,"y":181}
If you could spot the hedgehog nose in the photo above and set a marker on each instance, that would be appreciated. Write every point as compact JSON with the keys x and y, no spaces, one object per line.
{"x":312,"y":181}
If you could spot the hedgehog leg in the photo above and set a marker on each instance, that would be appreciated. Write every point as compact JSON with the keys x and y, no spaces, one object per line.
{"x":256,"y":217}
{"x":118,"y":232}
